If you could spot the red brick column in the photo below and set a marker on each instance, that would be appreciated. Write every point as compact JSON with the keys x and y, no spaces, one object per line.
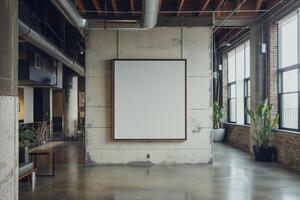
{"x":272,"y":66}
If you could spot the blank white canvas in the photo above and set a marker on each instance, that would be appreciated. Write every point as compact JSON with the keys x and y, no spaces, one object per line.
{"x":149,"y":99}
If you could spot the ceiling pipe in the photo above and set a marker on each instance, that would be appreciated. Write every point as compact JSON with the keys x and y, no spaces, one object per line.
{"x":150,"y":13}
{"x":39,"y":41}
{"x":68,"y":10}
{"x":148,"y":21}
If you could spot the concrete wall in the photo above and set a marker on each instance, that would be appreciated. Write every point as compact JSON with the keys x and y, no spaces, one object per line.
{"x":28,"y":104}
{"x":9,"y":134}
{"x":194,"y":44}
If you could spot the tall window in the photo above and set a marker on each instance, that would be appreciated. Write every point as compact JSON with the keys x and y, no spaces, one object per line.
{"x":239,"y":84}
{"x":288,"y":72}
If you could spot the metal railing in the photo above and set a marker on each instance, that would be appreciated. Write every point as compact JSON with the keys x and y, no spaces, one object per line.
{"x":42,"y":131}
{"x":290,"y":118}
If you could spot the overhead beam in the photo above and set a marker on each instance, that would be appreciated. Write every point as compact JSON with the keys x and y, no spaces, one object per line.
{"x":114,"y":6}
{"x":220,"y":3}
{"x":239,"y":2}
{"x":180,"y":6}
{"x":81,"y":6}
{"x":258,"y":4}
{"x":132,"y":7}
{"x":234,"y":21}
{"x":230,"y":15}
{"x":204,"y":7}
{"x":97,"y":6}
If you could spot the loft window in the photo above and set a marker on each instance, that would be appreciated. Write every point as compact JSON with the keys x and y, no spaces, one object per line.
{"x":239,"y":84}
{"x":288,"y":72}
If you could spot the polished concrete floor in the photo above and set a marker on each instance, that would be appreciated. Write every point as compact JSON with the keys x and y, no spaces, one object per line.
{"x":232,"y":176}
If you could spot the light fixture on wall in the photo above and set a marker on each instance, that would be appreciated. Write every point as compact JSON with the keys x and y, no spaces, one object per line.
{"x":220,"y":67}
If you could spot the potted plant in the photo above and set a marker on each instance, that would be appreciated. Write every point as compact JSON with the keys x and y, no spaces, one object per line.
{"x":26,"y":137}
{"x":218,"y":114}
{"x":263,"y":123}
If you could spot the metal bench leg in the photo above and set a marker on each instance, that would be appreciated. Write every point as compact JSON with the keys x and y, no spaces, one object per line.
{"x":33,"y":181}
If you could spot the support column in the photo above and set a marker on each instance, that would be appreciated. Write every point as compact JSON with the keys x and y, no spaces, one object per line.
{"x":9,"y":135}
{"x":71,"y":107}
{"x":257,"y":72}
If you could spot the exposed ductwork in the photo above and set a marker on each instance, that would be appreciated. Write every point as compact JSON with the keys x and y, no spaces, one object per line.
{"x":150,"y":13}
{"x":148,"y":21}
{"x":67,"y":8}
{"x":39,"y":41}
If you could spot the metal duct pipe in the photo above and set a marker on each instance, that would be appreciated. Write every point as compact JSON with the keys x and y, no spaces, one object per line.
{"x":149,"y":17}
{"x":67,"y":8}
{"x":39,"y":41}
{"x":150,"y":13}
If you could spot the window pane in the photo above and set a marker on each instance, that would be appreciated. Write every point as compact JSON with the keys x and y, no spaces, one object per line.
{"x":247,"y":88}
{"x":240,"y":107}
{"x":248,"y":85}
{"x":232,"y":91}
{"x":247,"y":61}
{"x":240,"y":74}
{"x":248,"y":107}
{"x":290,"y":81}
{"x":232,"y":110}
{"x":289,"y":42}
{"x":240,"y":63}
{"x":289,"y":116}
{"x":231,"y":66}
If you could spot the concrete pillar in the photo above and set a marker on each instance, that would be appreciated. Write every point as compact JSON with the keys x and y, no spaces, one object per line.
{"x":71,"y":107}
{"x":9,"y":136}
{"x":257,"y":71}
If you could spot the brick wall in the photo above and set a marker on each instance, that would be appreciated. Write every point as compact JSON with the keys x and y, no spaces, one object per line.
{"x":225,"y":81}
{"x":238,"y":136}
{"x":288,"y":148}
{"x":272,"y":92}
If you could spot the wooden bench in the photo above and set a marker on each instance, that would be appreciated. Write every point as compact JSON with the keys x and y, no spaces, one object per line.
{"x":45,"y":149}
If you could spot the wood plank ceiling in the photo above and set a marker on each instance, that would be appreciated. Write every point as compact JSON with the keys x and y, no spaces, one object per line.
{"x":133,"y":8}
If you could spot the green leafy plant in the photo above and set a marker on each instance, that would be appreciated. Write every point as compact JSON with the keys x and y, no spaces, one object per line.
{"x":263,"y":123}
{"x":26,"y":136}
{"x":218,"y":115}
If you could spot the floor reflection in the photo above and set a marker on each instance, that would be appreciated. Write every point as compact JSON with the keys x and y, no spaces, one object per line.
{"x":232,"y":176}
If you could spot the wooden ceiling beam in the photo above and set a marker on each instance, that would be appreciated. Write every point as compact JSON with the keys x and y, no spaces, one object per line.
{"x":114,"y":6}
{"x":81,"y":6}
{"x":219,"y":4}
{"x":97,"y":6}
{"x":238,"y":4}
{"x":180,"y":6}
{"x":258,"y":4}
{"x":204,"y":7}
{"x":132,"y":7}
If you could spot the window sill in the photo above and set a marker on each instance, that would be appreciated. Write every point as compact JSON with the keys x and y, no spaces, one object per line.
{"x":234,"y":124}
{"x":283,"y":131}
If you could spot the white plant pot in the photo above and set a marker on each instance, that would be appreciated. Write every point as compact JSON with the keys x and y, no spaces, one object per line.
{"x":219,"y":134}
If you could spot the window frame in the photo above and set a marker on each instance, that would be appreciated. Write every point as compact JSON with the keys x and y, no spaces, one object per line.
{"x":229,"y":98}
{"x":281,"y":71}
{"x":247,"y":84}
{"x":229,"y":84}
